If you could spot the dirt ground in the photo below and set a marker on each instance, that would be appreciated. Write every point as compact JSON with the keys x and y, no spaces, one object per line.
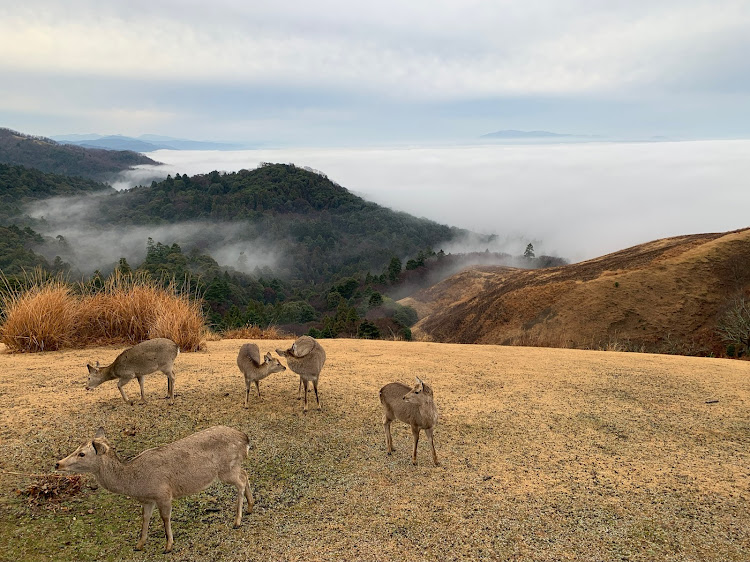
{"x":547,"y":454}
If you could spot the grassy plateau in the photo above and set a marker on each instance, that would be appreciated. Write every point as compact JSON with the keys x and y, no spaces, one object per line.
{"x":547,"y":454}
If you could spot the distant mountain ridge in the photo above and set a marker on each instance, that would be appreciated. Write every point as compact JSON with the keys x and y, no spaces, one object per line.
{"x":143,"y":143}
{"x":47,"y":155}
{"x":514,"y":134}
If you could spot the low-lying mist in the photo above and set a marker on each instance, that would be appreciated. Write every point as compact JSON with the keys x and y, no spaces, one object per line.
{"x":577,"y":201}
{"x":88,"y":248}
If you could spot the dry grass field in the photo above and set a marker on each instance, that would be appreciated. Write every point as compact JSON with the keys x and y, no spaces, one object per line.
{"x":548,"y":454}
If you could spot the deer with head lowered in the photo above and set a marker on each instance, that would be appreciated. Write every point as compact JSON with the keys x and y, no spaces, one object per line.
{"x":135,"y":363}
{"x":248,"y":360}
{"x":413,"y":406}
{"x":306,"y":357}
{"x":159,"y":475}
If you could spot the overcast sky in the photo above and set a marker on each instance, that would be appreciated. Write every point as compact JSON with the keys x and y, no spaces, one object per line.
{"x":338,"y":73}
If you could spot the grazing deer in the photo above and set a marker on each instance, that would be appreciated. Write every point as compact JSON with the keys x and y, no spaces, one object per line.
{"x":414,"y":406}
{"x":135,"y":363}
{"x":306,"y":357}
{"x":159,"y":475}
{"x":248,"y":360}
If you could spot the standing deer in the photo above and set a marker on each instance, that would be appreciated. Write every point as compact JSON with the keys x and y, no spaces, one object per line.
{"x":414,"y":406}
{"x":248,"y":360}
{"x":306,"y":357}
{"x":159,"y":475}
{"x":135,"y":363}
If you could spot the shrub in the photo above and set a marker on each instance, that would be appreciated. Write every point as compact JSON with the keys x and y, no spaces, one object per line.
{"x":251,"y":332}
{"x":405,"y":315}
{"x":368,"y":330}
{"x":41,"y":318}
{"x":45,"y":314}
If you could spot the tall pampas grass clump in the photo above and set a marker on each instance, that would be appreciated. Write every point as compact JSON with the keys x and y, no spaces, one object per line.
{"x":39,"y":314}
{"x":126,"y":308}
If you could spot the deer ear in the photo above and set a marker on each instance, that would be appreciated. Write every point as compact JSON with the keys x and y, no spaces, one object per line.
{"x":419,"y":381}
{"x":100,"y":434}
{"x":100,"y":447}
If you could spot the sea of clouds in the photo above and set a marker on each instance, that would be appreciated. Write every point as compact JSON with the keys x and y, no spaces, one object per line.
{"x":574,"y":200}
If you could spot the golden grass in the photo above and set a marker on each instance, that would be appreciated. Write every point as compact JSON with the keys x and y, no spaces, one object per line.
{"x":42,"y":318}
{"x":252,"y":332}
{"x":47,"y":315}
{"x":547,"y":454}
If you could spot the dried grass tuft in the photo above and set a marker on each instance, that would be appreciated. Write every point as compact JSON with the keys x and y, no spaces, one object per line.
{"x":39,"y":318}
{"x":46,"y":314}
{"x":252,"y":332}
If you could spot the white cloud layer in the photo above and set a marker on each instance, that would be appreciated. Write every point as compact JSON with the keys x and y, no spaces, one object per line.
{"x":576,"y":201}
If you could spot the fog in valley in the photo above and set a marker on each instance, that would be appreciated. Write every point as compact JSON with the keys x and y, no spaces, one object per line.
{"x":88,"y":248}
{"x":576,"y":200}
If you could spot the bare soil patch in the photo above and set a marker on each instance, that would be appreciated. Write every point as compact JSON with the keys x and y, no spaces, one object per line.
{"x":548,"y":454}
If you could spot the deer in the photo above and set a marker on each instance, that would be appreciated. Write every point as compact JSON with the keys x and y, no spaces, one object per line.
{"x":157,"y":476}
{"x":413,"y":406}
{"x":306,"y":357}
{"x":135,"y":363}
{"x":248,"y":360}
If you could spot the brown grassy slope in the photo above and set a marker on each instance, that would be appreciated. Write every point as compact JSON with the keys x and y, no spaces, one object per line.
{"x":547,"y":455}
{"x":663,"y":296}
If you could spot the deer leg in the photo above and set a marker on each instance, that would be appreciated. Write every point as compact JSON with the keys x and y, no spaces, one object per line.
{"x":415,"y":434}
{"x":315,"y":387}
{"x":432,"y":444}
{"x":257,"y":387}
{"x":165,"y":510}
{"x":120,"y":384}
{"x":299,"y":389}
{"x":388,"y":438}
{"x":170,"y":385}
{"x":247,"y":394}
{"x":148,"y":509}
{"x":143,"y":392}
{"x":238,"y":478}
{"x":305,"y":408}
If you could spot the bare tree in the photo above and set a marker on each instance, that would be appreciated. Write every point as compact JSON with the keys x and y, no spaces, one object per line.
{"x":734,"y":325}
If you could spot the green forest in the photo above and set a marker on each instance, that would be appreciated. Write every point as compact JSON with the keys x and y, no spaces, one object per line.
{"x":343,"y":262}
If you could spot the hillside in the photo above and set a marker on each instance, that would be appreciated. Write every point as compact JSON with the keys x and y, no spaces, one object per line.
{"x":323,"y":230}
{"x":20,"y":186}
{"x":274,"y":245}
{"x":546,"y":455}
{"x":663,"y":296}
{"x":49,"y":156}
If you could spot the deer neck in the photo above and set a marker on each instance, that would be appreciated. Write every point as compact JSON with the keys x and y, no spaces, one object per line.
{"x":108,"y":372}
{"x":113,"y":474}
{"x":428,"y":412}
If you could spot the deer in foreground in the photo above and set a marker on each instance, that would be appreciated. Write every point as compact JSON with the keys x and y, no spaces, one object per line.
{"x":159,"y":475}
{"x":306,"y":357}
{"x":135,"y":363}
{"x":248,"y":360}
{"x":414,"y":406}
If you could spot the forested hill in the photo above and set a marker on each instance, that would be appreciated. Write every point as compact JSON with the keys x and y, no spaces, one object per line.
{"x":20,"y":185}
{"x":324,"y":229}
{"x":49,"y":156}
